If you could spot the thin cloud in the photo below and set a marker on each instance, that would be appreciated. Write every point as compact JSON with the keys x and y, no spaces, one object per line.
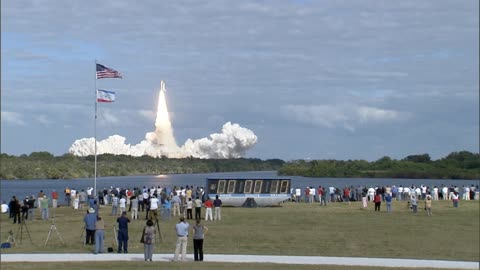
{"x":13,"y":118}
{"x":346,"y":116}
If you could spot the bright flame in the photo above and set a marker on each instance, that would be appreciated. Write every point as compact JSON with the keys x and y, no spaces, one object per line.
{"x":163,"y":134}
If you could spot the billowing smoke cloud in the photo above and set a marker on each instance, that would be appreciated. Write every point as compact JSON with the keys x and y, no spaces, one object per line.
{"x":233,"y":142}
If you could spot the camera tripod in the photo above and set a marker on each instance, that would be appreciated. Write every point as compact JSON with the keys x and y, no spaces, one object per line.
{"x":158,"y":228}
{"x":23,"y":225}
{"x":53,"y":227}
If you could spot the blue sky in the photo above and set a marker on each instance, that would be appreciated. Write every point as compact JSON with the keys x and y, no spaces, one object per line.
{"x":312,"y":79}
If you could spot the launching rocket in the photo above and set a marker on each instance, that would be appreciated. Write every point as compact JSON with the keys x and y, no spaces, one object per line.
{"x":162,"y":86}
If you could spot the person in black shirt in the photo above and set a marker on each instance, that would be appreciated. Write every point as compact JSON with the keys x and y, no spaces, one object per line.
{"x":14,"y":206}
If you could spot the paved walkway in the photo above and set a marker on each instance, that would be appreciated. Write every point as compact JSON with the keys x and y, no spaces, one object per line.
{"x":317,"y":260}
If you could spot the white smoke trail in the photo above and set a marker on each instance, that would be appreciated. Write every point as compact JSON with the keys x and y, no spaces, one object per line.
{"x":233,"y":142}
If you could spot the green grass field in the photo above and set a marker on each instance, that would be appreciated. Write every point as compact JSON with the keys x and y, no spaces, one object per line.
{"x":293,"y":229}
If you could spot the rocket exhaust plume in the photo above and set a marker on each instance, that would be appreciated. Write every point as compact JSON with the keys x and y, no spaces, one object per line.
{"x":233,"y":142}
{"x":163,"y":134}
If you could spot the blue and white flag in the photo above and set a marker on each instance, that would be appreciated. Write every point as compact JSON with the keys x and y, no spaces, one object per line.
{"x":105,"y":96}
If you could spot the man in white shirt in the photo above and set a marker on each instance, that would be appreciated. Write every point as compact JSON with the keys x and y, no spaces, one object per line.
{"x":298,"y":194}
{"x":400,"y":193}
{"x":153,"y":212}
{"x":445,"y":193}
{"x":406,"y":193}
{"x":466,"y":193}
{"x":331,"y":191}
{"x":424,"y":191}
{"x":122,"y":204}
{"x":371,"y":193}
{"x":312,"y":194}
{"x":435,"y":193}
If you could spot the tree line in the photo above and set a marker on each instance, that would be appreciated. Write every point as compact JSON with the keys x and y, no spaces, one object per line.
{"x":456,"y":165}
{"x":44,"y":165}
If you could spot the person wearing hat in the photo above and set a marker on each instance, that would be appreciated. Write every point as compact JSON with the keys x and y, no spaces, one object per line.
{"x":90,"y":219}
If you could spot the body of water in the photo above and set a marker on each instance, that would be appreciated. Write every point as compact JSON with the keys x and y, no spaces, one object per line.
{"x":22,"y":188}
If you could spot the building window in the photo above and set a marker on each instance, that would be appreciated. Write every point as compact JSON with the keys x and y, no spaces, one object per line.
{"x":221,"y":186}
{"x":248,"y":186}
{"x":231,"y":186}
{"x":284,"y":187}
{"x":274,"y":187}
{"x":258,"y":186}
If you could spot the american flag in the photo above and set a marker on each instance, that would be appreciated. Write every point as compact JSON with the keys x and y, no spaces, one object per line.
{"x":105,"y":72}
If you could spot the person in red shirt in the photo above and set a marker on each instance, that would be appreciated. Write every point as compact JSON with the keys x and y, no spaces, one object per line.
{"x":208,"y":208}
{"x":54,"y":199}
{"x":377,"y":200}
{"x":346,"y":195}
{"x":307,"y":194}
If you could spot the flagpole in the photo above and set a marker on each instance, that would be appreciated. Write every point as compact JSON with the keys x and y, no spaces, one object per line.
{"x":95,"y":136}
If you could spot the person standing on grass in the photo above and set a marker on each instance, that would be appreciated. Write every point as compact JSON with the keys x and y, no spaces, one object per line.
{"x":198,"y":208}
{"x":388,"y":202}
{"x":39,"y":201}
{"x":25,"y":209}
{"x":189,"y":208}
{"x":67,"y":196}
{"x":148,"y":240}
{"x":54,"y":196}
{"x":428,"y":205}
{"x":217,"y":203}
{"x":198,"y":235}
{"x":44,"y":206}
{"x":90,"y":220}
{"x":176,"y":204}
{"x":346,"y":195}
{"x":114,"y":205}
{"x":377,"y":199}
{"x":455,"y":199}
{"x":364,"y":197}
{"x":208,"y":209}
{"x":123,"y":221}
{"x":323,"y":195}
{"x":413,"y":203}
{"x":134,"y":207}
{"x":181,"y":229}
{"x":99,"y":235}
{"x":122,"y":203}
{"x":14,"y":207}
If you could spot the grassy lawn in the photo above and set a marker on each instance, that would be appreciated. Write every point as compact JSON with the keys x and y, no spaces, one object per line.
{"x":293,"y":229}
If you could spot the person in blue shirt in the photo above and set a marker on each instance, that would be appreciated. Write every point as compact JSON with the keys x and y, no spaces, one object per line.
{"x":90,"y":219}
{"x":181,"y":229}
{"x":123,"y":221}
{"x":388,"y":200}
